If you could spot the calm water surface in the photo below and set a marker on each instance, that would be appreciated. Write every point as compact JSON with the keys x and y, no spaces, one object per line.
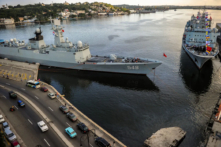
{"x":132,"y":108}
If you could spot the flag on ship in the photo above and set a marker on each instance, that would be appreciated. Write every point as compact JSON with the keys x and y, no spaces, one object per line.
{"x":207,"y":42}
{"x":53,"y":33}
{"x":164,"y":55}
{"x":209,"y":48}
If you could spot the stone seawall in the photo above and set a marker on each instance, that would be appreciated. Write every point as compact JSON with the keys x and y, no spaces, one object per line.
{"x":19,"y":71}
{"x":97,"y":130}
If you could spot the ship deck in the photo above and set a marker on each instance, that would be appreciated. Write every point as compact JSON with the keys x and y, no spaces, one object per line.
{"x":96,"y":59}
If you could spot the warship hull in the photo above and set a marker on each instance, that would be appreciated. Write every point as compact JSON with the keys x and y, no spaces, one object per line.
{"x":198,"y":60}
{"x":54,"y":59}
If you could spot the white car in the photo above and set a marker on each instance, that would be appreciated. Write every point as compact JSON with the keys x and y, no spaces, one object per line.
{"x":52,"y":95}
{"x":1,"y":119}
{"x":42,"y":126}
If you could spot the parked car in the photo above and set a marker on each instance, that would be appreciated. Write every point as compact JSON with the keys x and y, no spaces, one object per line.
{"x":71,"y":132}
{"x":5,"y":126}
{"x":44,"y":89}
{"x":71,"y":116}
{"x":82,"y":127}
{"x":1,"y":119}
{"x":12,"y":94}
{"x":21,"y":104}
{"x":101,"y":142}
{"x":42,"y":126}
{"x":52,"y":95}
{"x":10,"y":135}
{"x":64,"y":109}
{"x":15,"y":144}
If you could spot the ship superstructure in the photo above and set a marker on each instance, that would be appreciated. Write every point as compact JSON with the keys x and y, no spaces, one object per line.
{"x":199,"y":39}
{"x":63,"y":54}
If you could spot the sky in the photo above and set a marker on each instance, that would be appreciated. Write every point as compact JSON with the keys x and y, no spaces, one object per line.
{"x":115,"y":2}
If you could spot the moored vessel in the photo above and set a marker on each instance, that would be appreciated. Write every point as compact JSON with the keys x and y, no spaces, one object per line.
{"x":199,"y":39}
{"x":65,"y":55}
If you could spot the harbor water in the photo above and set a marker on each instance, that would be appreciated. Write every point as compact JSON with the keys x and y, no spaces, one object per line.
{"x":130,"y":107}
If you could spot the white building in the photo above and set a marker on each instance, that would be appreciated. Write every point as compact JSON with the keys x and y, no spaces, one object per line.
{"x":79,"y":11}
{"x":9,"y":21}
{"x":132,"y":11}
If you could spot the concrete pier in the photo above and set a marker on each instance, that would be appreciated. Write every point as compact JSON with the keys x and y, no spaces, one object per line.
{"x":213,"y":130}
{"x":166,"y":137}
{"x":218,"y":26}
{"x":19,"y":71}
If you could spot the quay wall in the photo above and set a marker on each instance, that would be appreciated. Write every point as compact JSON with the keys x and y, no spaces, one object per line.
{"x":95,"y":128}
{"x":19,"y":71}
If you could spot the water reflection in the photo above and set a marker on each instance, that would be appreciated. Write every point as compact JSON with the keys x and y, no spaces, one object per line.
{"x":72,"y":78}
{"x":8,"y":26}
{"x":196,"y":81}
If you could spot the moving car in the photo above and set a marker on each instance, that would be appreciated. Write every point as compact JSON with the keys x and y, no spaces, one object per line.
{"x":15,"y":144}
{"x":21,"y":104}
{"x":10,"y":135}
{"x":12,"y":108}
{"x":52,"y":95}
{"x":101,"y":142}
{"x":5,"y":126}
{"x":12,"y":94}
{"x":44,"y":89}
{"x":71,"y":116}
{"x":42,"y":126}
{"x":64,"y":109}
{"x":71,"y":132}
{"x":1,"y":119}
{"x":82,"y":127}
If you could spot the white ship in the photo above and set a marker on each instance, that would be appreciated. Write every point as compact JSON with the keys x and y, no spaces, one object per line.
{"x":199,"y":39}
{"x":66,"y":55}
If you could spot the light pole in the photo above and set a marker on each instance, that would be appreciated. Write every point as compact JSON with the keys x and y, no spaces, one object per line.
{"x":87,"y":137}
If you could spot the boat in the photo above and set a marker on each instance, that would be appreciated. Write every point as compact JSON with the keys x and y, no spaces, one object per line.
{"x":144,"y":11}
{"x":30,"y":20}
{"x":65,"y":55}
{"x":199,"y":39}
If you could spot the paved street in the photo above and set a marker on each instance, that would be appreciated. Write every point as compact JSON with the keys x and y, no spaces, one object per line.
{"x":51,"y":110}
{"x":24,"y":121}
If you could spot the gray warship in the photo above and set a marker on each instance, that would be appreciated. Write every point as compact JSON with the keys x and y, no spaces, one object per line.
{"x":199,"y":39}
{"x":66,"y":55}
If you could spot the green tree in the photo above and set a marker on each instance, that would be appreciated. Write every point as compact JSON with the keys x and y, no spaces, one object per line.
{"x":82,"y":15}
{"x":2,"y":142}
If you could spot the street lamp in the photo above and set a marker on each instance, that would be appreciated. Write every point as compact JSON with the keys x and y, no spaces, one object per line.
{"x":87,"y":137}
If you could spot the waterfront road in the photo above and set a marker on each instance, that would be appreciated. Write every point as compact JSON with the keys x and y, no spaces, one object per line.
{"x":51,"y":109}
{"x":24,"y":121}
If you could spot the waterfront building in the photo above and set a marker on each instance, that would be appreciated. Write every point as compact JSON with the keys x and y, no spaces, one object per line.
{"x":80,"y":11}
{"x":21,"y":19}
{"x":78,"y":3}
{"x":9,"y":21}
{"x":66,"y":3}
{"x":132,"y":11}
